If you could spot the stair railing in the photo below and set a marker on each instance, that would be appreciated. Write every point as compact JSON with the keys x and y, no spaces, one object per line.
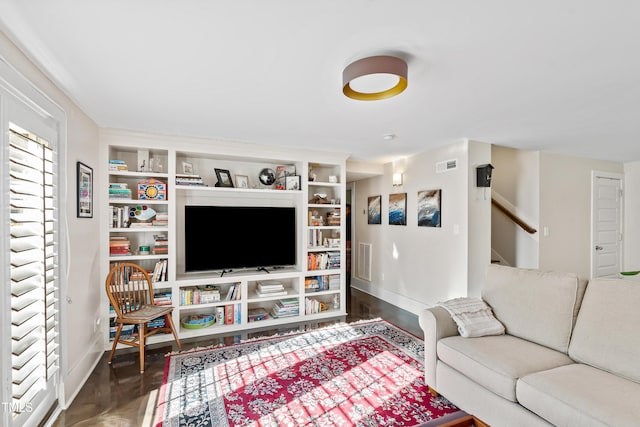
{"x":513,"y":217}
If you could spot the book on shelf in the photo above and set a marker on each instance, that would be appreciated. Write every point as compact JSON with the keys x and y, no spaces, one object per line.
{"x":271,"y":294}
{"x":323,"y":261}
{"x":313,"y":306}
{"x":228,"y":314}
{"x":159,"y":273}
{"x":188,"y":179}
{"x":233,"y":293}
{"x":194,"y":295}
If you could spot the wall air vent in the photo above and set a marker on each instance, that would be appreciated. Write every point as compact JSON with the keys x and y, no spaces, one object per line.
{"x":446,"y":165}
{"x":364,"y":261}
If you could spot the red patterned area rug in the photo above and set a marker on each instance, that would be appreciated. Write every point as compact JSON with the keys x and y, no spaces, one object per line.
{"x":368,"y":373}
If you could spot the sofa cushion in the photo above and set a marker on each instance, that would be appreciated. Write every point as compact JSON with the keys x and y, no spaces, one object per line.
{"x":607,"y":332}
{"x":496,"y":362}
{"x":534,"y":305}
{"x":580,"y":395}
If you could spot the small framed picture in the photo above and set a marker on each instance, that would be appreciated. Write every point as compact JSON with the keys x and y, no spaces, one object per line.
{"x":374,"y":204}
{"x":242,"y":181}
{"x":292,"y":182}
{"x":224,"y":178}
{"x":84,"y":176}
{"x":187,"y":168}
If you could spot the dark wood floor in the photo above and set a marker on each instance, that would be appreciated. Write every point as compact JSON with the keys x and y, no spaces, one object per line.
{"x":118,"y":395}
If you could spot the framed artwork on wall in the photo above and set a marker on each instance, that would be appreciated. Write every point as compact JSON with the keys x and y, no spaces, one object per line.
{"x":374,"y":210}
{"x":84,"y":176}
{"x":429,"y":208}
{"x":398,"y":209}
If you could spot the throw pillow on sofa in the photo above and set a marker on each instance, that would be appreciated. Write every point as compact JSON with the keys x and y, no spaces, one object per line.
{"x":473,"y":317}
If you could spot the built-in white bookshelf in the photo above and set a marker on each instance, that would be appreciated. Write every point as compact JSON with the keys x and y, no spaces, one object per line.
{"x":314,"y":287}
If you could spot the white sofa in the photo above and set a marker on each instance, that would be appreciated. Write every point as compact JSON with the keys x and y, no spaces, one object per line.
{"x":570,"y":356}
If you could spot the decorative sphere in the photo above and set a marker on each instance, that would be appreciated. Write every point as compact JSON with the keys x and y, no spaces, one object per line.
{"x":267,"y":176}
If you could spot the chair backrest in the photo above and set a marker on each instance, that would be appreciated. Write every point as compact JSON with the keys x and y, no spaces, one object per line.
{"x":129,"y":287}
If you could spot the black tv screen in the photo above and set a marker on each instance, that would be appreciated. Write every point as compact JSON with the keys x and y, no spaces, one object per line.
{"x":235,"y":237}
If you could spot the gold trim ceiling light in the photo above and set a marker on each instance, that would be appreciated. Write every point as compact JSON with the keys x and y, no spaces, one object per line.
{"x":374,"y":78}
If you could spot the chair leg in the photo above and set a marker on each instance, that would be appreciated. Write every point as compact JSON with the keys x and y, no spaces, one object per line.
{"x":169,"y":320}
{"x":142,"y":329}
{"x":115,"y":341}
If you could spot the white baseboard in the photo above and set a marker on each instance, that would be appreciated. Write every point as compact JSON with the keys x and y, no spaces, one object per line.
{"x":82,"y":370}
{"x":398,"y":300}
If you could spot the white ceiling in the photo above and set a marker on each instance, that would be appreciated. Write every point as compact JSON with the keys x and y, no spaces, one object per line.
{"x":548,"y":75}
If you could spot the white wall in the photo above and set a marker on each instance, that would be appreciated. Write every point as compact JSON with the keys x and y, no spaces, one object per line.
{"x":517,"y":179}
{"x":416,"y":266}
{"x":80,"y":343}
{"x":565,"y":208}
{"x":631,"y":241}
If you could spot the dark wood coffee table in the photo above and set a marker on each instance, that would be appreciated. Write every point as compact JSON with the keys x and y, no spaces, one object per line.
{"x":466,"y":421}
{"x":456,"y":419}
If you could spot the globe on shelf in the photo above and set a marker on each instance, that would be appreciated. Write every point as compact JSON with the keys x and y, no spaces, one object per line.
{"x":267,"y":176}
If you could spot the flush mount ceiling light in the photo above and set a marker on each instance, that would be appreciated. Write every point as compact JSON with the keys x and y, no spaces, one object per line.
{"x":375,"y":77}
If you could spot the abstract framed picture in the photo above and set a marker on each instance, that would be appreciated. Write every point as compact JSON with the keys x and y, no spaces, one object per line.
{"x":429,"y":210}
{"x":374,"y":215}
{"x":84,"y":176}
{"x":398,"y":209}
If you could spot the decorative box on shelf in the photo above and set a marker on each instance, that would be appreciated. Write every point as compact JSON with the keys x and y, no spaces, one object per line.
{"x":152,"y":189}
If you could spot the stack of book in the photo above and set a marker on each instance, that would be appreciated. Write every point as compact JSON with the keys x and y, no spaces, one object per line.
{"x":333,"y":217}
{"x":119,"y":245}
{"x":160,"y":244}
{"x":161,"y":219}
{"x":285,"y":308}
{"x":186,"y":179}
{"x":117,"y":165}
{"x":270,"y":288}
{"x":162,"y":298}
{"x":119,"y":191}
{"x":158,"y":322}
{"x":334,"y":260}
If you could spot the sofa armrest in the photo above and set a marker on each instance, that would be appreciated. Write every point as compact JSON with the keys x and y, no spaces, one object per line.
{"x":436,"y":322}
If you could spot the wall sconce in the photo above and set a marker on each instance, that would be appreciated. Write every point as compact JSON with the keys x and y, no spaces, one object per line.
{"x":397,"y":179}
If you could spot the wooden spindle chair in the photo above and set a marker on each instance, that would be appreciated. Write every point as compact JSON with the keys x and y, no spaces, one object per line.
{"x":130,"y":291}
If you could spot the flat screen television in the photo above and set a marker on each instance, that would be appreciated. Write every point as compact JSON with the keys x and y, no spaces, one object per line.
{"x":238,"y":237}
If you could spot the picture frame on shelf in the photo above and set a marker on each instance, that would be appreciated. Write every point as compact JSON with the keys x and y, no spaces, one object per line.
{"x":242,"y":181}
{"x":187,"y":168}
{"x":224,"y":178}
{"x":84,"y":176}
{"x":292,"y":182}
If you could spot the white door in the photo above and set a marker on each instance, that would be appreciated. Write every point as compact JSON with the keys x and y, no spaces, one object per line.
{"x":606,"y":236}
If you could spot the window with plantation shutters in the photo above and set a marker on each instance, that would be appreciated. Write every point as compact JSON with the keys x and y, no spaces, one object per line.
{"x":33,"y":263}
